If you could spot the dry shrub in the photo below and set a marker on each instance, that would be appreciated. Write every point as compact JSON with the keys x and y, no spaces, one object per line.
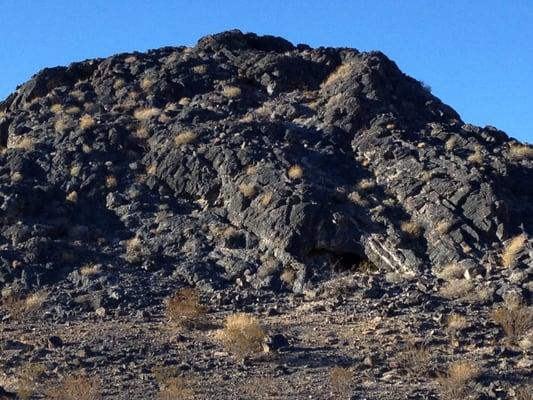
{"x":87,"y":121}
{"x":72,"y":197}
{"x":356,"y":198}
{"x":56,"y":108}
{"x":524,"y":393}
{"x":295,"y":172}
{"x":89,"y":269}
{"x":266,"y":198}
{"x":443,"y":227}
{"x":72,"y":110}
{"x":147,"y":83}
{"x":412,"y":228}
{"x":77,"y":387}
{"x":60,"y":126}
{"x":145,"y":113}
{"x":476,"y":157}
{"x":341,"y":381}
{"x":29,"y":378}
{"x":176,"y":388}
{"x":248,"y":190}
{"x":130,"y":59}
{"x":199,"y":69}
{"x":231,"y":91}
{"x":134,"y":249}
{"x":343,"y":71}
{"x":515,"y":320}
{"x":151,"y":169}
{"x":288,"y":276}
{"x":20,"y":307}
{"x":242,"y":334}
{"x":366,"y":184}
{"x":451,"y":271}
{"x":185,"y":137}
{"x":24,"y":143}
{"x":512,"y":248}
{"x":142,"y":132}
{"x":455,"y":322}
{"x":75,"y":170}
{"x":456,"y":288}
{"x":415,"y":359}
{"x":119,"y":84}
{"x":111,"y":181}
{"x":185,"y":309}
{"x":450,"y":144}
{"x":521,"y":151}
{"x":184,"y":101}
{"x":16,"y":177}
{"x":454,"y":382}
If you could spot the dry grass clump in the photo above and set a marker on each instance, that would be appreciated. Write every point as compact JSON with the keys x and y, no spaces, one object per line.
{"x":60,"y":125}
{"x":75,"y":170}
{"x":141,"y":132}
{"x":356,"y":198}
{"x":415,"y":359}
{"x":185,"y":309}
{"x":134,"y":249}
{"x":343,"y":71}
{"x":366,"y":184}
{"x":456,"y":288}
{"x":451,"y":271}
{"x":231,"y":91}
{"x":248,"y":190}
{"x":199,"y":69}
{"x":130,"y":59}
{"x":176,"y":388}
{"x":515,"y":320}
{"x":56,"y":108}
{"x":87,"y":121}
{"x":266,"y":198}
{"x":184,"y":101}
{"x":72,"y":197}
{"x":16,"y":177}
{"x":90,"y":269}
{"x":476,"y":157}
{"x":145,"y":113}
{"x":77,"y":387}
{"x":24,"y":143}
{"x":450,"y":143}
{"x":524,"y":392}
{"x":119,"y":84}
{"x":185,"y":137}
{"x":454,"y":382}
{"x":341,"y":381}
{"x":242,"y":334}
{"x":412,"y":228}
{"x":147,"y":83}
{"x":288,"y":276}
{"x":19,"y":307}
{"x":111,"y":181}
{"x":29,"y":377}
{"x":72,"y":110}
{"x":455,"y":322}
{"x":520,"y":151}
{"x":512,"y":248}
{"x":443,"y":227}
{"x":295,"y":172}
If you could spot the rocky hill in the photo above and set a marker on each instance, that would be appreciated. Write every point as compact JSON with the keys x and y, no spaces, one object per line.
{"x":274,"y":179}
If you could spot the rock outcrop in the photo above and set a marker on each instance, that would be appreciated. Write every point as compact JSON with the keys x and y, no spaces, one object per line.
{"x":249,"y":162}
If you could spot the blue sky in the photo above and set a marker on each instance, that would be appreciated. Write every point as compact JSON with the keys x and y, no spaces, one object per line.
{"x":476,"y":55}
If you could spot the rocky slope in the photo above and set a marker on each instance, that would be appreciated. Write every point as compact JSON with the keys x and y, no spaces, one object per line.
{"x":258,"y":172}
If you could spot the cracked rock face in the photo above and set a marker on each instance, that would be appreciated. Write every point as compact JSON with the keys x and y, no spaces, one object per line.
{"x":245,"y":159}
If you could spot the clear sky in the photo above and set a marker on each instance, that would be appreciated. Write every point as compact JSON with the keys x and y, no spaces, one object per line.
{"x":476,"y":55}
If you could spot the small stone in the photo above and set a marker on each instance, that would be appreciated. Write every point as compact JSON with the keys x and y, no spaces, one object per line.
{"x":54,"y":342}
{"x":100,"y":311}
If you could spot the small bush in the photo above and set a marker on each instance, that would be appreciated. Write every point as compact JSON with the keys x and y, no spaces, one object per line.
{"x":19,"y":307}
{"x":248,"y":190}
{"x":415,"y":359}
{"x":266,"y":198}
{"x":29,"y":378}
{"x":524,"y":393}
{"x":77,"y":387}
{"x":143,"y":114}
{"x":119,"y":84}
{"x":134,"y":249}
{"x":56,"y":108}
{"x":231,"y":91}
{"x":242,"y":335}
{"x":199,"y":69}
{"x":86,"y":121}
{"x":520,"y":151}
{"x":343,"y":71}
{"x":147,"y":84}
{"x":512,"y":248}
{"x":72,"y":197}
{"x":450,"y":144}
{"x":72,"y":110}
{"x":111,"y":181}
{"x":61,"y":125}
{"x":176,"y":388}
{"x":412,"y":228}
{"x":184,"y":308}
{"x":341,"y":381}
{"x":366,"y":184}
{"x":451,"y":271}
{"x":476,"y":157}
{"x":25,"y":143}
{"x":295,"y":172}
{"x":185,"y":137}
{"x":515,"y":320}
{"x":16,"y":177}
{"x":454,"y":382}
{"x":455,"y":322}
{"x":130,"y":59}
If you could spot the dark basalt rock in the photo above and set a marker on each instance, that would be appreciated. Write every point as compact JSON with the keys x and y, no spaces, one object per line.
{"x":92,"y":162}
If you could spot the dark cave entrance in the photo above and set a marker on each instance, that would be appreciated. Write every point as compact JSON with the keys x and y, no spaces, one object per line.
{"x":339,"y":262}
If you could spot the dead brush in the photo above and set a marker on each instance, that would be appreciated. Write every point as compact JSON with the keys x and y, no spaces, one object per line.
{"x":341,"y":381}
{"x":76,"y":387}
{"x":242,"y":335}
{"x":515,"y":320}
{"x":415,"y":359}
{"x":454,"y":383}
{"x":512,"y":248}
{"x":19,"y":307}
{"x":185,"y":309}
{"x":176,"y":388}
{"x":30,"y":377}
